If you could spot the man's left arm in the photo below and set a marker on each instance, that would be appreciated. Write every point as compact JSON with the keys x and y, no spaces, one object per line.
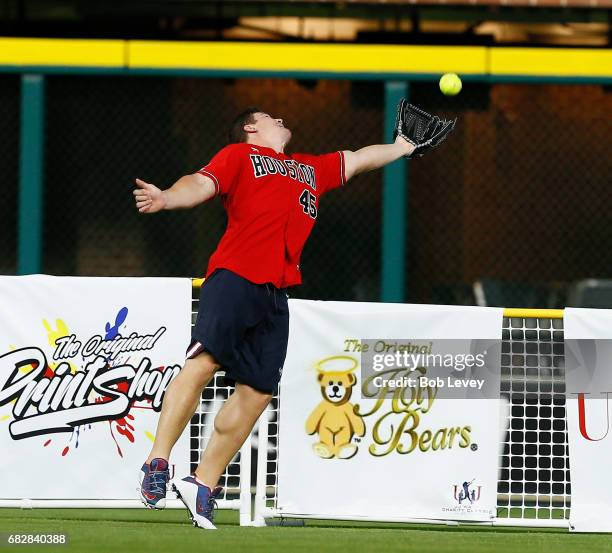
{"x":374,"y":157}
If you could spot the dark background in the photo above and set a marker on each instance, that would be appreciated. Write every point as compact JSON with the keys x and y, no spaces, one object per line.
{"x":519,"y":193}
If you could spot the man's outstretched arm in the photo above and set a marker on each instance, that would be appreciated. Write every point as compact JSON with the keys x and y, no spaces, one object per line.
{"x":374,"y":157}
{"x":186,"y":192}
{"x":415,"y":132}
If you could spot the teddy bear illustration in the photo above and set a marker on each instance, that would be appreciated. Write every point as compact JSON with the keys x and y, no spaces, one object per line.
{"x":334,"y":419}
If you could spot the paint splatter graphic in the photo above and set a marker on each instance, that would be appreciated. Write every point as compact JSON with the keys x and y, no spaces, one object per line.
{"x":121,"y":430}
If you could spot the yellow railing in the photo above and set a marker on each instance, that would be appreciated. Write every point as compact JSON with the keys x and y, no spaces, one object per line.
{"x":519,"y":313}
{"x":364,"y":59}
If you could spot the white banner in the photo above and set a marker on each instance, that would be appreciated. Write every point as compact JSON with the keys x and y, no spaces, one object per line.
{"x":84,"y":363}
{"x":361,"y":438}
{"x":588,"y":355}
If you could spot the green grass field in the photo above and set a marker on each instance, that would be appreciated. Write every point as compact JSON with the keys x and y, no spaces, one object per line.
{"x":131,"y":531}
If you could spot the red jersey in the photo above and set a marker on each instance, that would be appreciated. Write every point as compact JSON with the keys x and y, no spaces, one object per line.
{"x":272,"y":202}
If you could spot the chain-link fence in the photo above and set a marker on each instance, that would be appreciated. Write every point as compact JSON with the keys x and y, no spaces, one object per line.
{"x":517,"y":197}
{"x":104,"y":131}
{"x":9,"y":167}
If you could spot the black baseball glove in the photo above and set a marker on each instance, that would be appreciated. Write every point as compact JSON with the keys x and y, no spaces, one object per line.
{"x":422,"y":130}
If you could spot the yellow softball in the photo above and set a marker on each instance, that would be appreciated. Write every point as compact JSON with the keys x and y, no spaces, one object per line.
{"x":450,"y":84}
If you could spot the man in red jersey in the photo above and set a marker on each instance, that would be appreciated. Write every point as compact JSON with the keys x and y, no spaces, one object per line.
{"x":272,"y":202}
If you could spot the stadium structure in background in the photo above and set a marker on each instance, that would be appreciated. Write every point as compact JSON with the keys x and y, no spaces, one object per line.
{"x":512,"y":211}
{"x":519,"y":194}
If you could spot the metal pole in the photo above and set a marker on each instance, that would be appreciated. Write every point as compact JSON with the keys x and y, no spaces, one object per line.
{"x":30,"y":217}
{"x":245,"y":482}
{"x":394,"y":209}
{"x":262,"y":470}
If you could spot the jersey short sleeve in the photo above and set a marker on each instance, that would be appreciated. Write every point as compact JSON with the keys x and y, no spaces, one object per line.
{"x":329,"y":170}
{"x":224,"y":168}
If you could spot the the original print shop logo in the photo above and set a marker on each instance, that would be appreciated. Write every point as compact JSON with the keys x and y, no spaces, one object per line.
{"x":58,"y":393}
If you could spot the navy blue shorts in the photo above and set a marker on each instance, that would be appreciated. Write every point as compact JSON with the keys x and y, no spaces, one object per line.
{"x":245,"y":327}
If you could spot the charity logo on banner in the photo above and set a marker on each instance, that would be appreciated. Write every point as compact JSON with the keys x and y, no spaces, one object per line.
{"x":588,"y":379}
{"x":379,"y":429}
{"x":84,"y":365}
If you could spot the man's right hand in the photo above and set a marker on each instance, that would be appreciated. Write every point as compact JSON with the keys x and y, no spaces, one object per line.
{"x":149,"y":198}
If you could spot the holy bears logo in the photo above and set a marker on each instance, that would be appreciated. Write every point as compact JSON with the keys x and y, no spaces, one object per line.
{"x":335,"y":419}
{"x":394,"y":416}
{"x":53,"y":395}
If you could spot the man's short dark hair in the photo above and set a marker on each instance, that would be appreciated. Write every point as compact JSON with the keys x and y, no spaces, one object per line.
{"x":237,"y":132}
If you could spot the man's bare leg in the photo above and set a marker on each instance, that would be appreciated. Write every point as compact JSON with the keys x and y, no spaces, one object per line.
{"x":180,"y":402}
{"x":233,"y":423}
